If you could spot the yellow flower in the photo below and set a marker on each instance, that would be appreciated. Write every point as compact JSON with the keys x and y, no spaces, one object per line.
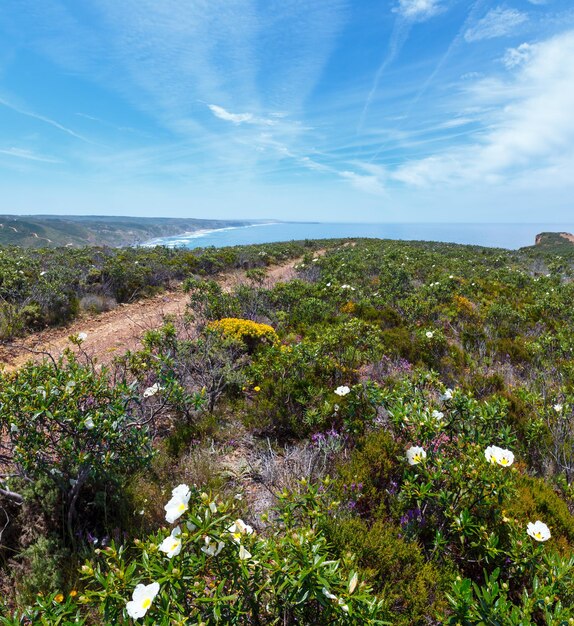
{"x":73,"y":593}
{"x":244,"y":330}
{"x":257,"y":388}
{"x":59,"y":597}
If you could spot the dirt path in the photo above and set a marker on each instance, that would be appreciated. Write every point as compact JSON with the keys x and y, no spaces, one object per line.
{"x":112,"y":333}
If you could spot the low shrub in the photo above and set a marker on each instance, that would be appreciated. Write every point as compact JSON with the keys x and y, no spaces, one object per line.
{"x":252,"y":334}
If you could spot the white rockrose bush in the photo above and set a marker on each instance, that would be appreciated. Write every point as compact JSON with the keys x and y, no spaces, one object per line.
{"x":209,"y":566}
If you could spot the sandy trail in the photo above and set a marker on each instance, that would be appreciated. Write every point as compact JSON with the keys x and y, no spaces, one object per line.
{"x":112,"y":333}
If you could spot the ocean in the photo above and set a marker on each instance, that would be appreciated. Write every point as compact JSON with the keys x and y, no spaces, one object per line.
{"x":510,"y":236}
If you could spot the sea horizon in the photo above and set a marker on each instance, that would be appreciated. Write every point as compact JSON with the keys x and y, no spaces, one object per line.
{"x":507,"y":235}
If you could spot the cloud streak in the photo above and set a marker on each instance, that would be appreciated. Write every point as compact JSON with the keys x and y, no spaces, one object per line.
{"x":44,"y":119}
{"x":498,"y":22}
{"x":418,"y":10}
{"x":28,"y":155}
{"x":239,"y":118}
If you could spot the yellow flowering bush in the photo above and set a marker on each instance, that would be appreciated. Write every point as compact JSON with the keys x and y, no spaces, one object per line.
{"x":249,"y":332}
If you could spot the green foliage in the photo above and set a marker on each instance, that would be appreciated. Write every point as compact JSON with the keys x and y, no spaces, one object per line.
{"x":214,"y":569}
{"x":66,"y":423}
{"x":346,"y":368}
{"x":411,"y":587}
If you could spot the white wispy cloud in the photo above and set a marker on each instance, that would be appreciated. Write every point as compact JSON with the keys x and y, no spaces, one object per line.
{"x":531,"y":128}
{"x":409,"y":11}
{"x":514,"y":57}
{"x":42,"y":118}
{"x":236,"y":118}
{"x":418,"y":10}
{"x":364,"y":182}
{"x":239,"y":118}
{"x":498,"y":22}
{"x":28,"y":155}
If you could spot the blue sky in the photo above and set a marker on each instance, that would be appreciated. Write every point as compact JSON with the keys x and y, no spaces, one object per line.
{"x":335,"y":110}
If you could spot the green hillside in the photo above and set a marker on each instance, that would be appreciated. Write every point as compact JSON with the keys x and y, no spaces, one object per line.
{"x":39,"y":231}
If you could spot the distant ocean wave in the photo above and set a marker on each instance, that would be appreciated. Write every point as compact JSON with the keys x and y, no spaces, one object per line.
{"x":184,"y":239}
{"x":510,"y":236}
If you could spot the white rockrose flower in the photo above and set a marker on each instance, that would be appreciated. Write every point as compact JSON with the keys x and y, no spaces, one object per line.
{"x":238,"y":529}
{"x":142,"y":598}
{"x":212,"y":548}
{"x":494,"y":454}
{"x":415,"y":454}
{"x":447,"y":395}
{"x":429,"y":334}
{"x":172,"y":545}
{"x":538,"y":531}
{"x":151,"y":391}
{"x":342,"y":390}
{"x":82,"y":336}
{"x":178,"y":504}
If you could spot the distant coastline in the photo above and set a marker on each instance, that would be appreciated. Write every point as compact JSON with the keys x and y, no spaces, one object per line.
{"x":39,"y":231}
{"x":173,"y":241}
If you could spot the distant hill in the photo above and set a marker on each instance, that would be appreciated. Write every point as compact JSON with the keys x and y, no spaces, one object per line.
{"x":554,"y":239}
{"x":38,"y":231}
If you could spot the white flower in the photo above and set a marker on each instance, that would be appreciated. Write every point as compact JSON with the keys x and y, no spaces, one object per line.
{"x":81,"y":336}
{"x":89,"y":423}
{"x":538,"y":531}
{"x":244,"y":554}
{"x":142,"y":598}
{"x":178,"y":503}
{"x":151,"y":391}
{"x":415,"y":454}
{"x":429,"y":334}
{"x":213,"y":507}
{"x":212,"y":548}
{"x":558,"y":408}
{"x":42,"y":273}
{"x":438,"y":415}
{"x":494,"y":454}
{"x":14,"y":428}
{"x":343,"y":390}
{"x":447,"y":395}
{"x":172,"y":545}
{"x":238,"y":529}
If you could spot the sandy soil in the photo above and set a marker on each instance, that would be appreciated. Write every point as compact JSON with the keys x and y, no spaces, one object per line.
{"x":112,"y":333}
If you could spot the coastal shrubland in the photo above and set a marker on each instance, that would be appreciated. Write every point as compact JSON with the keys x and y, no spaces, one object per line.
{"x":386,"y":438}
